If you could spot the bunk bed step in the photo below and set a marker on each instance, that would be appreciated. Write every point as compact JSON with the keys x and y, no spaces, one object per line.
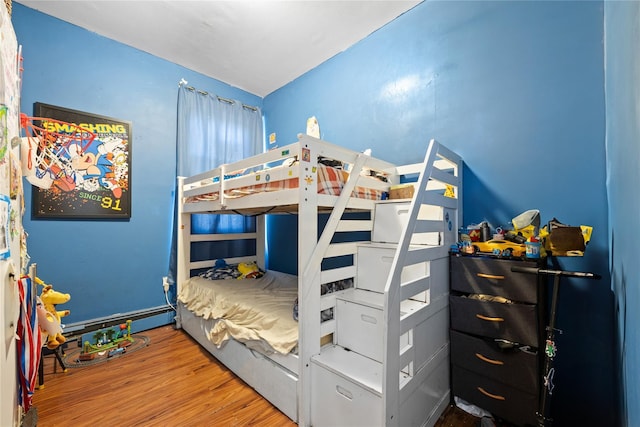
{"x":360,"y":328}
{"x":360,"y":324}
{"x":337,"y":400}
{"x":444,"y":176}
{"x":376,"y":300}
{"x":390,"y":219}
{"x":346,"y":389}
{"x":374,"y":265}
{"x":437,"y":199}
{"x":372,"y":299}
{"x":356,"y":368}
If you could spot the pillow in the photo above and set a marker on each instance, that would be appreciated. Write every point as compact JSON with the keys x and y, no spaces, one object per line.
{"x":221,"y":272}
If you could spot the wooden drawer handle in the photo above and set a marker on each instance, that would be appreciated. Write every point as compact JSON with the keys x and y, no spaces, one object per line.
{"x":493,"y":396}
{"x":489,"y":276}
{"x":486,"y":359}
{"x":490,"y":319}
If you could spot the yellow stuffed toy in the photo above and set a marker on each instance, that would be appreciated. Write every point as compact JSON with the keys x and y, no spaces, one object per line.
{"x":49,"y":318}
{"x":249,"y":271}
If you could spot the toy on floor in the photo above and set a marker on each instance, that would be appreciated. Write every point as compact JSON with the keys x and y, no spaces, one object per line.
{"x":49,"y":319}
{"x":112,"y":341}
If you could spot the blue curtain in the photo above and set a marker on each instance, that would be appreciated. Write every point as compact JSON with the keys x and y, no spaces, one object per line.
{"x":213,"y":131}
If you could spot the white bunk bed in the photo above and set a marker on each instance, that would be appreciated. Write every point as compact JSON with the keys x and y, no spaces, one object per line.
{"x":382,"y":357}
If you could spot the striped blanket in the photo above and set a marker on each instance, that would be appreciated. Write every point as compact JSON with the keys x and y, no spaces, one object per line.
{"x":330,"y":181}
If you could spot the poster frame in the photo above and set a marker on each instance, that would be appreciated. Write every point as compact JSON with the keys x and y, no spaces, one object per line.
{"x":112,"y":198}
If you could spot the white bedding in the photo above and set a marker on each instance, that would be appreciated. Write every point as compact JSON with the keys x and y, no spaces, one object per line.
{"x":257,"y":312}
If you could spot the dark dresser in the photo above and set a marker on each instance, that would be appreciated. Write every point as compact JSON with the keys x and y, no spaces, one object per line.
{"x":497,"y":335}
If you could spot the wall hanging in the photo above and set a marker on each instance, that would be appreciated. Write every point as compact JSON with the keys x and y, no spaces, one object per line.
{"x":78,"y":163}
{"x":5,"y":207}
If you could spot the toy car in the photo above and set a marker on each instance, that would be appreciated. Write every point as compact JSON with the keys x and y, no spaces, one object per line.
{"x":503,"y":248}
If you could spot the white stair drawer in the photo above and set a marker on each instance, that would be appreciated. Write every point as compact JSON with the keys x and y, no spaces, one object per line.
{"x":336,"y":401}
{"x":374,"y":265}
{"x":391,"y":219}
{"x":359,"y":328}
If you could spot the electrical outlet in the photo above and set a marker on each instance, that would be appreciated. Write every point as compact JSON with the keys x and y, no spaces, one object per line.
{"x":165,"y":284}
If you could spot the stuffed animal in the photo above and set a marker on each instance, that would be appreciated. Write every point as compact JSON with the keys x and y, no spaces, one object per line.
{"x":49,"y":318}
{"x":49,"y":324}
{"x":249,"y":271}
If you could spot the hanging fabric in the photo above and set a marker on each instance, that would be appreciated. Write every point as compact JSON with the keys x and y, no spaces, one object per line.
{"x":29,"y":342}
{"x":212,"y":131}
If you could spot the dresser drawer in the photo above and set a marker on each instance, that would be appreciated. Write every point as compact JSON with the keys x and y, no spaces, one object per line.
{"x":483,"y":275}
{"x":483,"y":356}
{"x":501,"y":400}
{"x":512,"y":322}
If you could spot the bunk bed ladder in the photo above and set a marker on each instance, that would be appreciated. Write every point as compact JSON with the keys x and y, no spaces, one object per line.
{"x":404,"y":370}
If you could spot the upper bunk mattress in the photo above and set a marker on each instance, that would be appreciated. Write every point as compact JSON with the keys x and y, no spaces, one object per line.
{"x":257,"y":312}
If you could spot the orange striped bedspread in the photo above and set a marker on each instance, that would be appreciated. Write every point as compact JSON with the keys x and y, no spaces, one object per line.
{"x":330,"y":181}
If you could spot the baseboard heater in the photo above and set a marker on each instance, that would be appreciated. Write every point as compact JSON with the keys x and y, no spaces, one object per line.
{"x":74,"y":330}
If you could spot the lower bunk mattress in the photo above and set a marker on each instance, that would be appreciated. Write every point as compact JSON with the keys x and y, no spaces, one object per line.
{"x":257,"y":312}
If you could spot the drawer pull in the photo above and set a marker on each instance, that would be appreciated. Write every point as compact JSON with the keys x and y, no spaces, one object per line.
{"x":489,"y":276}
{"x":490,"y":319}
{"x":368,"y":319}
{"x":493,"y":396}
{"x":344,"y":392}
{"x":486,"y":359}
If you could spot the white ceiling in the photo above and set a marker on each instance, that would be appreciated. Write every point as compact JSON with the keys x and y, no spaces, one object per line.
{"x":258,"y":46}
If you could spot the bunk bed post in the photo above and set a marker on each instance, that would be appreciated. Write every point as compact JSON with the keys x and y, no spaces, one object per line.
{"x":308,"y":287}
{"x":223,"y":185}
{"x":459,"y":194}
{"x":183,"y":244}
{"x":261,"y":241}
{"x":454,"y":162}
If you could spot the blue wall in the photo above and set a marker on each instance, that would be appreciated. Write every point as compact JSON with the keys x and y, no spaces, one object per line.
{"x":622,"y":42}
{"x":517,"y":88}
{"x":109,"y":267}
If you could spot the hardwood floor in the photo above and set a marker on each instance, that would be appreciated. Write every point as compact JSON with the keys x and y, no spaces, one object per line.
{"x":172,"y":382}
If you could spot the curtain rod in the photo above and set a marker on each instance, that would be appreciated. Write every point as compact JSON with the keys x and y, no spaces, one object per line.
{"x":184,"y":83}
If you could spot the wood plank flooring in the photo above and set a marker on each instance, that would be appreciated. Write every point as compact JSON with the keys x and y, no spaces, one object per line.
{"x":172,"y":382}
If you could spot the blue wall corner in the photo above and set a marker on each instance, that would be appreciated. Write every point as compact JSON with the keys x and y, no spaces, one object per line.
{"x":521,"y":98}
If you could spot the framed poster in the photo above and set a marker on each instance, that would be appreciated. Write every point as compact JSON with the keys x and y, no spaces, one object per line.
{"x":83,"y":165}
